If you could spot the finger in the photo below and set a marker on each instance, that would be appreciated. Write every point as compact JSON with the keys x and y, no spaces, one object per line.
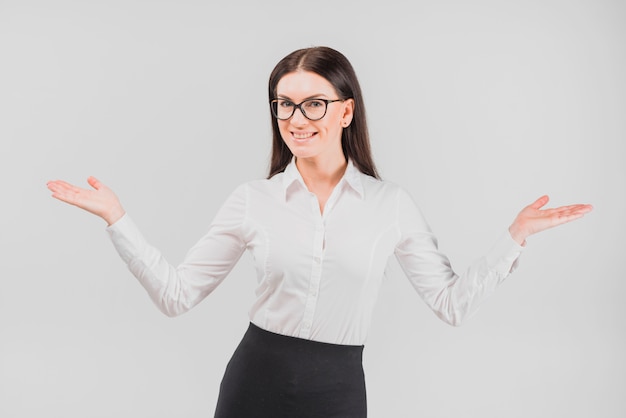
{"x":568,"y":218}
{"x":94,"y":182}
{"x":556,"y":212}
{"x":66,"y":192}
{"x":64,"y":196}
{"x":52,"y":184}
{"x":579,"y":210}
{"x":56,"y":184}
{"x":561,"y":217}
{"x":539,"y":203}
{"x":568,"y":207}
{"x":62,"y":186}
{"x":575,"y":207}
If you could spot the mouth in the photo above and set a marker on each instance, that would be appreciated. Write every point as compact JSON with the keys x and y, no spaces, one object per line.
{"x":303,"y":136}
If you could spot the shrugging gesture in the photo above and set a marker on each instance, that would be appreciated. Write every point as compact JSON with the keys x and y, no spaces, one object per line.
{"x":101,"y":201}
{"x":318,"y":278}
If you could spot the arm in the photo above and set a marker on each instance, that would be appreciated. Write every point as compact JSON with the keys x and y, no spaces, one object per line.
{"x":453,"y":297}
{"x":174,"y":290}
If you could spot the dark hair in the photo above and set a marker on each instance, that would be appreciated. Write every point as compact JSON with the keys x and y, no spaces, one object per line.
{"x":334,"y":67}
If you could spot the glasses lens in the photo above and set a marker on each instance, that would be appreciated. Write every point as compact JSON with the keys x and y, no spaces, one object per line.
{"x":314,"y":109}
{"x":282,"y":109}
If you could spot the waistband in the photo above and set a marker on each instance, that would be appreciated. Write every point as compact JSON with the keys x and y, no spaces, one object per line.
{"x":287,"y":341}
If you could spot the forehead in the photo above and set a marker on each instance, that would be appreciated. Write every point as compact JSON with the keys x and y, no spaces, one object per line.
{"x":302,"y":84}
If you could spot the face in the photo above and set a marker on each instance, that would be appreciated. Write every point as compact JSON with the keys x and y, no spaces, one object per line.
{"x":320,"y":139}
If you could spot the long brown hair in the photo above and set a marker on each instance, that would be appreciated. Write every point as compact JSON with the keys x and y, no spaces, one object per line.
{"x":334,"y":67}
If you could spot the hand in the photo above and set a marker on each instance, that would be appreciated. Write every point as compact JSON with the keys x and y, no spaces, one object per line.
{"x":532,"y":219}
{"x":101,"y":201}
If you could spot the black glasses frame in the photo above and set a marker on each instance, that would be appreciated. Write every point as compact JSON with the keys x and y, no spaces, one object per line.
{"x":274,"y":107}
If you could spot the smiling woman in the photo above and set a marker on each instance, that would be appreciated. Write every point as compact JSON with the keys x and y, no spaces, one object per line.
{"x":321,"y":229}
{"x":302,"y":72}
{"x":314,"y":138}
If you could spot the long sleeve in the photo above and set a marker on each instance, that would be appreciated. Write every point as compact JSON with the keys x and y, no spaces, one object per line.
{"x":318,"y":274}
{"x":452,"y":297}
{"x":175,"y":290}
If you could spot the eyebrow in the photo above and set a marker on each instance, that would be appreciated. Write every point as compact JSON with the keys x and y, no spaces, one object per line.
{"x":315,"y":96}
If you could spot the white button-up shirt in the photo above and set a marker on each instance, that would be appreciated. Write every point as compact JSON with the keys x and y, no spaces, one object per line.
{"x":318,"y":274}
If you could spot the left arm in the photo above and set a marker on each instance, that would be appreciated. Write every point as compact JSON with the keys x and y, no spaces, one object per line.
{"x":455,"y":297}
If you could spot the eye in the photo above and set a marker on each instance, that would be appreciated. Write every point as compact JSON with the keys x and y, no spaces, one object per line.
{"x":285,"y":103}
{"x":314,"y":104}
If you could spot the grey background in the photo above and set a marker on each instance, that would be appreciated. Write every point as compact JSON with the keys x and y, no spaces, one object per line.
{"x":477,"y":109}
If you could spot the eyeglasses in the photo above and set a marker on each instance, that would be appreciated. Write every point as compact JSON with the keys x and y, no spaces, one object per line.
{"x":312,"y":109}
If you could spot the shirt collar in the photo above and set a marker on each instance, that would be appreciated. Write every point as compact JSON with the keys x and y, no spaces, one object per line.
{"x":352,"y":178}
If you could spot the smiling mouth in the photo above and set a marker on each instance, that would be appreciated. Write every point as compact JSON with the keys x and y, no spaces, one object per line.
{"x":302,"y":136}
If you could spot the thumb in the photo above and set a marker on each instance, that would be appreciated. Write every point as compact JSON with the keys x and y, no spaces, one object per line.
{"x":539,"y":203}
{"x":94,"y":182}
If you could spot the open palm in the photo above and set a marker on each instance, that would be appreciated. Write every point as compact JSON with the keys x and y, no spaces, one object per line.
{"x":533,"y":219}
{"x":100,"y":201}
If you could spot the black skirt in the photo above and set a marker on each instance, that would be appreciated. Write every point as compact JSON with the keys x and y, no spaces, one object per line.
{"x":272,"y":375}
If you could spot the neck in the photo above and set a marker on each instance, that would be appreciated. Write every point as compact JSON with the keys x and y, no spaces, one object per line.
{"x":321,"y":173}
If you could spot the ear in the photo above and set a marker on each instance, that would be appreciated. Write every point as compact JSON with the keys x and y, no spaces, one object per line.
{"x":348,"y":113}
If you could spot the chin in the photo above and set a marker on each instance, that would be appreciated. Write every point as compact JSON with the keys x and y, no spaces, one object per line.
{"x":302,"y":150}
{"x":303,"y":155}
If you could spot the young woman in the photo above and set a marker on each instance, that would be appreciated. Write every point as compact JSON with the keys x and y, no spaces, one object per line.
{"x":321,"y":229}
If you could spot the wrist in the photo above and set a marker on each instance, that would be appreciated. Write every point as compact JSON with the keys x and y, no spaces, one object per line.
{"x":114,"y":215}
{"x":517,"y":234}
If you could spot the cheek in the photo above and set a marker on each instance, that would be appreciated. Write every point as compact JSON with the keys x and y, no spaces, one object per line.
{"x":333,"y":123}
{"x":333,"y":128}
{"x":283,"y":130}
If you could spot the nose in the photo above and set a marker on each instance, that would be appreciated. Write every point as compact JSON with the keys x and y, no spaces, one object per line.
{"x":298,"y":118}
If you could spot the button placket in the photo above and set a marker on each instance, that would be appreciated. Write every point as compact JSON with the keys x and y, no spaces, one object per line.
{"x":315,"y":277}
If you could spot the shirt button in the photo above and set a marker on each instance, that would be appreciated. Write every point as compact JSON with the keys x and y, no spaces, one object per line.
{"x":317,"y":260}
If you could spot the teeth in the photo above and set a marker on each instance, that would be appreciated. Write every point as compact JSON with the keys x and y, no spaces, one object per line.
{"x":302,"y":136}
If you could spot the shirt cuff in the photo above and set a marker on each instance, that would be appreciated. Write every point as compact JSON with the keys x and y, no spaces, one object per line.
{"x":504,"y":255}
{"x":126,"y":238}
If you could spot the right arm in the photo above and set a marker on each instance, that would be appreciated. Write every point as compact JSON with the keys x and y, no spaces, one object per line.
{"x":173,"y":289}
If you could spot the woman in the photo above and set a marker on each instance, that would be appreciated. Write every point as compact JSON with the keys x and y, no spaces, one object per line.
{"x":320,"y":229}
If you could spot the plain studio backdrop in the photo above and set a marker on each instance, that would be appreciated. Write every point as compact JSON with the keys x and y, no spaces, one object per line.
{"x":476,"y":108}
